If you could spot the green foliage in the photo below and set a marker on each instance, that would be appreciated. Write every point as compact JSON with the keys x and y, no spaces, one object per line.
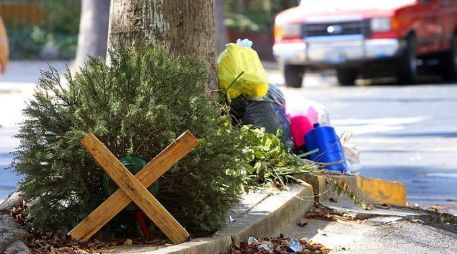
{"x":256,"y":15}
{"x":62,"y":16}
{"x":268,"y":164}
{"x":26,"y":43}
{"x":244,"y":22}
{"x":60,"y":28}
{"x":137,"y":105}
{"x":22,"y":45}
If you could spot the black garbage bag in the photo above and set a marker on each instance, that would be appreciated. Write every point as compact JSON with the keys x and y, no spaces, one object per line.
{"x":268,"y":112}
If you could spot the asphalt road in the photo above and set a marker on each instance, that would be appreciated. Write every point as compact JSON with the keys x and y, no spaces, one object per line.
{"x":404,"y":133}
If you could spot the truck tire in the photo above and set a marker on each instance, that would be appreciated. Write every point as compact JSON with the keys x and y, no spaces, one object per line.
{"x":293,"y":75}
{"x":407,"y":65}
{"x":448,"y":63}
{"x":346,"y":77}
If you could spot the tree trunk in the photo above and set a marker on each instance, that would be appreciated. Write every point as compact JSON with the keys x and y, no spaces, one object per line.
{"x":186,"y":27}
{"x":221,"y":30}
{"x":93,"y":30}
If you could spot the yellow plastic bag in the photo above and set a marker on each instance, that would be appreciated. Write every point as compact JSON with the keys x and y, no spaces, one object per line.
{"x":240,"y":71}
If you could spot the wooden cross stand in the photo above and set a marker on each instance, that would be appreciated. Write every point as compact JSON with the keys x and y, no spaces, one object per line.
{"x":134,"y":188}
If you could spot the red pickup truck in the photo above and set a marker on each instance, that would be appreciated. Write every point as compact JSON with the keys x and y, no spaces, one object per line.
{"x":362,"y":37}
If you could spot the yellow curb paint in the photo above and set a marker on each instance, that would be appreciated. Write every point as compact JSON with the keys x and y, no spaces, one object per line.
{"x":382,"y":191}
{"x":369,"y":190}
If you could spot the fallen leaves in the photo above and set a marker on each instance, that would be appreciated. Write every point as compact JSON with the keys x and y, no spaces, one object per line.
{"x":41,"y":242}
{"x":321,"y":212}
{"x":18,"y":212}
{"x":52,"y":244}
{"x":277,"y":245}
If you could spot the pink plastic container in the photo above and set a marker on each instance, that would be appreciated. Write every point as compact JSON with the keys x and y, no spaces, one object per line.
{"x":299,"y":126}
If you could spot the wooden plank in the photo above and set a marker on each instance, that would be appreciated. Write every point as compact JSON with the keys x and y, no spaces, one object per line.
{"x":134,"y":189}
{"x":119,"y":200}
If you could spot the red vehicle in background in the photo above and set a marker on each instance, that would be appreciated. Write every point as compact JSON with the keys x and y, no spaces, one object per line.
{"x":4,"y":50}
{"x":364,"y":37}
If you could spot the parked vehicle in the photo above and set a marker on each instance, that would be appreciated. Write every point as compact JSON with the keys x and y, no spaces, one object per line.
{"x":364,"y":37}
{"x":4,"y":52}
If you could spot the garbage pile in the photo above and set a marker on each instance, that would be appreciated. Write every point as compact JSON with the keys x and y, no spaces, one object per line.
{"x":304,"y":129}
{"x":278,"y":245}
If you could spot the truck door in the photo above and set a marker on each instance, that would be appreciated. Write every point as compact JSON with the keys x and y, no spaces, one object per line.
{"x":428,"y":29}
{"x":448,"y":21}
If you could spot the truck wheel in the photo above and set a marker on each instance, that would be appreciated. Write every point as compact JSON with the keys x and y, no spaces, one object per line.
{"x":346,"y":77}
{"x":407,"y":65}
{"x":448,"y":62}
{"x":293,"y":75}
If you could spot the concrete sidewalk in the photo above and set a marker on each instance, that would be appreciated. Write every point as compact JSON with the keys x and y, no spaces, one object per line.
{"x":384,"y":229}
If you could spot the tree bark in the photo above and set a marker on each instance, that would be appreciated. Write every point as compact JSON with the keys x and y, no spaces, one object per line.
{"x":221,"y":30}
{"x":186,"y":27}
{"x":93,"y":30}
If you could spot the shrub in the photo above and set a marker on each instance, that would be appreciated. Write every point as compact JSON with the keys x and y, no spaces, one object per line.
{"x":137,"y":105}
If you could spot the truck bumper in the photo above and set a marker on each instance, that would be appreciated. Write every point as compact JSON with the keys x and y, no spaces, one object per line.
{"x":337,"y":50}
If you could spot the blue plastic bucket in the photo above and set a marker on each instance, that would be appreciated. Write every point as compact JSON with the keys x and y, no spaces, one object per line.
{"x":328,"y":146}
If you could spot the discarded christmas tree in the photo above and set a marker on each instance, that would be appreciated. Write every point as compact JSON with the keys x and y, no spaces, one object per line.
{"x":136,"y":105}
